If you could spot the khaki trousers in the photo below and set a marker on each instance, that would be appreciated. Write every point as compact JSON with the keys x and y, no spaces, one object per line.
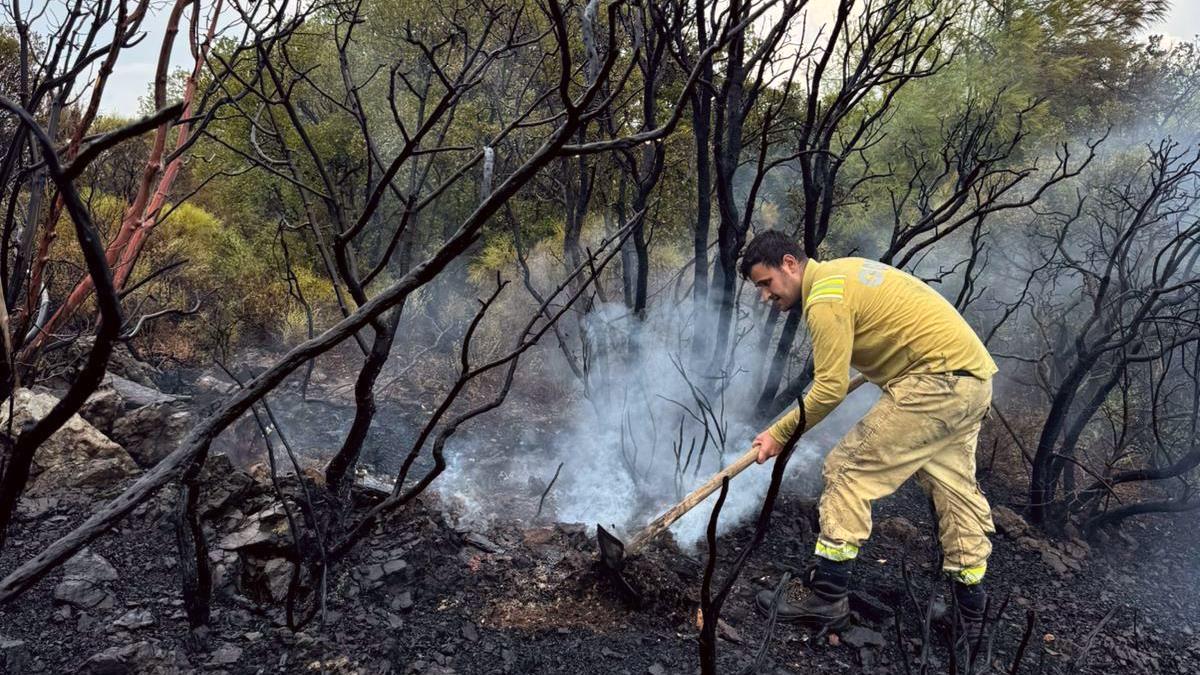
{"x":927,"y":425}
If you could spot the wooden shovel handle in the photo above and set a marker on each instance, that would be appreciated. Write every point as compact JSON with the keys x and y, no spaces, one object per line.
{"x":698,"y":495}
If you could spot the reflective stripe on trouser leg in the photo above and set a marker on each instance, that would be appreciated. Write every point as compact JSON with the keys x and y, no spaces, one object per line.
{"x":923,"y":423}
{"x":834,"y":551}
{"x":969,"y":576}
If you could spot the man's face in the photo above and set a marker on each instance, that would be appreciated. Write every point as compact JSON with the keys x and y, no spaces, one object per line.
{"x":779,"y":286}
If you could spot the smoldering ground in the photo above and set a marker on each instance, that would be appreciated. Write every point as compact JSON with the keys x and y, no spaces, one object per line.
{"x":646,"y":429}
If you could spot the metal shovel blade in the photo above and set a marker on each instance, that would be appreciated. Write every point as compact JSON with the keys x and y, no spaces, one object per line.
{"x":612,"y":551}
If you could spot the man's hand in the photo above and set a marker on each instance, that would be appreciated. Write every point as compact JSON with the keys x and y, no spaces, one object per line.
{"x":767,"y":446}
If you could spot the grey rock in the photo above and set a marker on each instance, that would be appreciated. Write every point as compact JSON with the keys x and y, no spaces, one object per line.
{"x":1009,"y":522}
{"x":869,"y":607}
{"x":77,"y":455}
{"x":135,"y":394}
{"x":89,"y":565}
{"x":267,"y":528}
{"x":151,"y":432}
{"x":482,"y":543}
{"x":147,"y":657}
{"x":373,"y":573}
{"x":225,"y":655}
{"x":135,"y":619}
{"x":656,"y":669}
{"x":84,"y":581}
{"x":404,"y":600}
{"x":1055,"y":561}
{"x":226,"y":488}
{"x":394,"y":567}
{"x":212,"y":384}
{"x":32,"y":508}
{"x":15,"y":656}
{"x":279,"y":577}
{"x":102,"y":408}
{"x":858,"y":636}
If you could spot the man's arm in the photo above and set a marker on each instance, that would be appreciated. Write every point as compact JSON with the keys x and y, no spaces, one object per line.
{"x":831,"y":329}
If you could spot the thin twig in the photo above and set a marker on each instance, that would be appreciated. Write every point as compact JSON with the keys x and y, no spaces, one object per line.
{"x":545,"y":492}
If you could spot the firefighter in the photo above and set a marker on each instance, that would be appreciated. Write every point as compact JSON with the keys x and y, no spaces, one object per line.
{"x":935,"y":374}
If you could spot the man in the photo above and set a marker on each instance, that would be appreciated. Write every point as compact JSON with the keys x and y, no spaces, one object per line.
{"x":936,"y":379}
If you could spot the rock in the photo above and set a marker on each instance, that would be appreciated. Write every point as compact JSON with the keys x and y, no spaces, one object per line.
{"x":135,"y":619}
{"x":266,"y":530}
{"x":858,"y":636}
{"x":899,"y":529}
{"x":137,"y":395}
{"x":84,"y":579}
{"x":77,"y":455}
{"x":538,"y":536}
{"x":32,"y":508}
{"x":1054,"y":561}
{"x":1009,"y":522}
{"x":1128,"y":539}
{"x":372,"y":573}
{"x":151,"y":432}
{"x":148,"y":657}
{"x":14,"y":655}
{"x":212,"y":384}
{"x":728,"y":632}
{"x":102,"y":408}
{"x":869,"y":607}
{"x":121,"y":362}
{"x":1077,"y":549}
{"x":225,"y":487}
{"x":482,"y":543}
{"x":1030,"y":543}
{"x":404,"y":600}
{"x":278,"y":573}
{"x":102,"y":472}
{"x":469,"y":632}
{"x":395,"y":567}
{"x":225,"y":655}
{"x":656,"y":669}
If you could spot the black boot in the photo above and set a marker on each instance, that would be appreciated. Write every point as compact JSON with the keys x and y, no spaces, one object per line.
{"x":820,"y":599}
{"x":972,"y":603}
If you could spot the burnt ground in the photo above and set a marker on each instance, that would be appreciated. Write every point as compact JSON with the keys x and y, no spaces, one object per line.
{"x":525,"y":596}
{"x":521,"y":599}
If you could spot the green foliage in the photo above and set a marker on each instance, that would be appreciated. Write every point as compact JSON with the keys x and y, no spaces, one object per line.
{"x":1086,"y":60}
{"x":238,"y":278}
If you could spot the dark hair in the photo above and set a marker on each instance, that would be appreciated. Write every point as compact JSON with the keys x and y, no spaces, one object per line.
{"x":768,"y":248}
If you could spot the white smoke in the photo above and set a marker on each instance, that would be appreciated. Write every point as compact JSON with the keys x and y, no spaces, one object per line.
{"x":618,"y":444}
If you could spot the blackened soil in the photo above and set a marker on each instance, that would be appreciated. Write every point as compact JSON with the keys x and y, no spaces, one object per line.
{"x":522,"y":598}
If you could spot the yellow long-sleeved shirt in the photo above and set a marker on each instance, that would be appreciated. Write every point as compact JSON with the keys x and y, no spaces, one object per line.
{"x":884,"y":323}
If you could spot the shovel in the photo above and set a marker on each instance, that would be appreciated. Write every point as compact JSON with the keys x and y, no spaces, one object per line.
{"x":613,"y":552}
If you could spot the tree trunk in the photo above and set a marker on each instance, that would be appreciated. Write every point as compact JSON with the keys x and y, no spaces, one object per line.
{"x":339,"y":473}
{"x":193,"y":550}
{"x":768,"y":404}
{"x":1043,"y":482}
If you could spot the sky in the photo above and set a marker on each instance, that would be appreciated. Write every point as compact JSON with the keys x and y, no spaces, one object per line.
{"x":1184,"y":21}
{"x":135,"y":70}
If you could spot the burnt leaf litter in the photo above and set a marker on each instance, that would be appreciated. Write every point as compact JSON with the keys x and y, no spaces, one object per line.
{"x":527,"y":595}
